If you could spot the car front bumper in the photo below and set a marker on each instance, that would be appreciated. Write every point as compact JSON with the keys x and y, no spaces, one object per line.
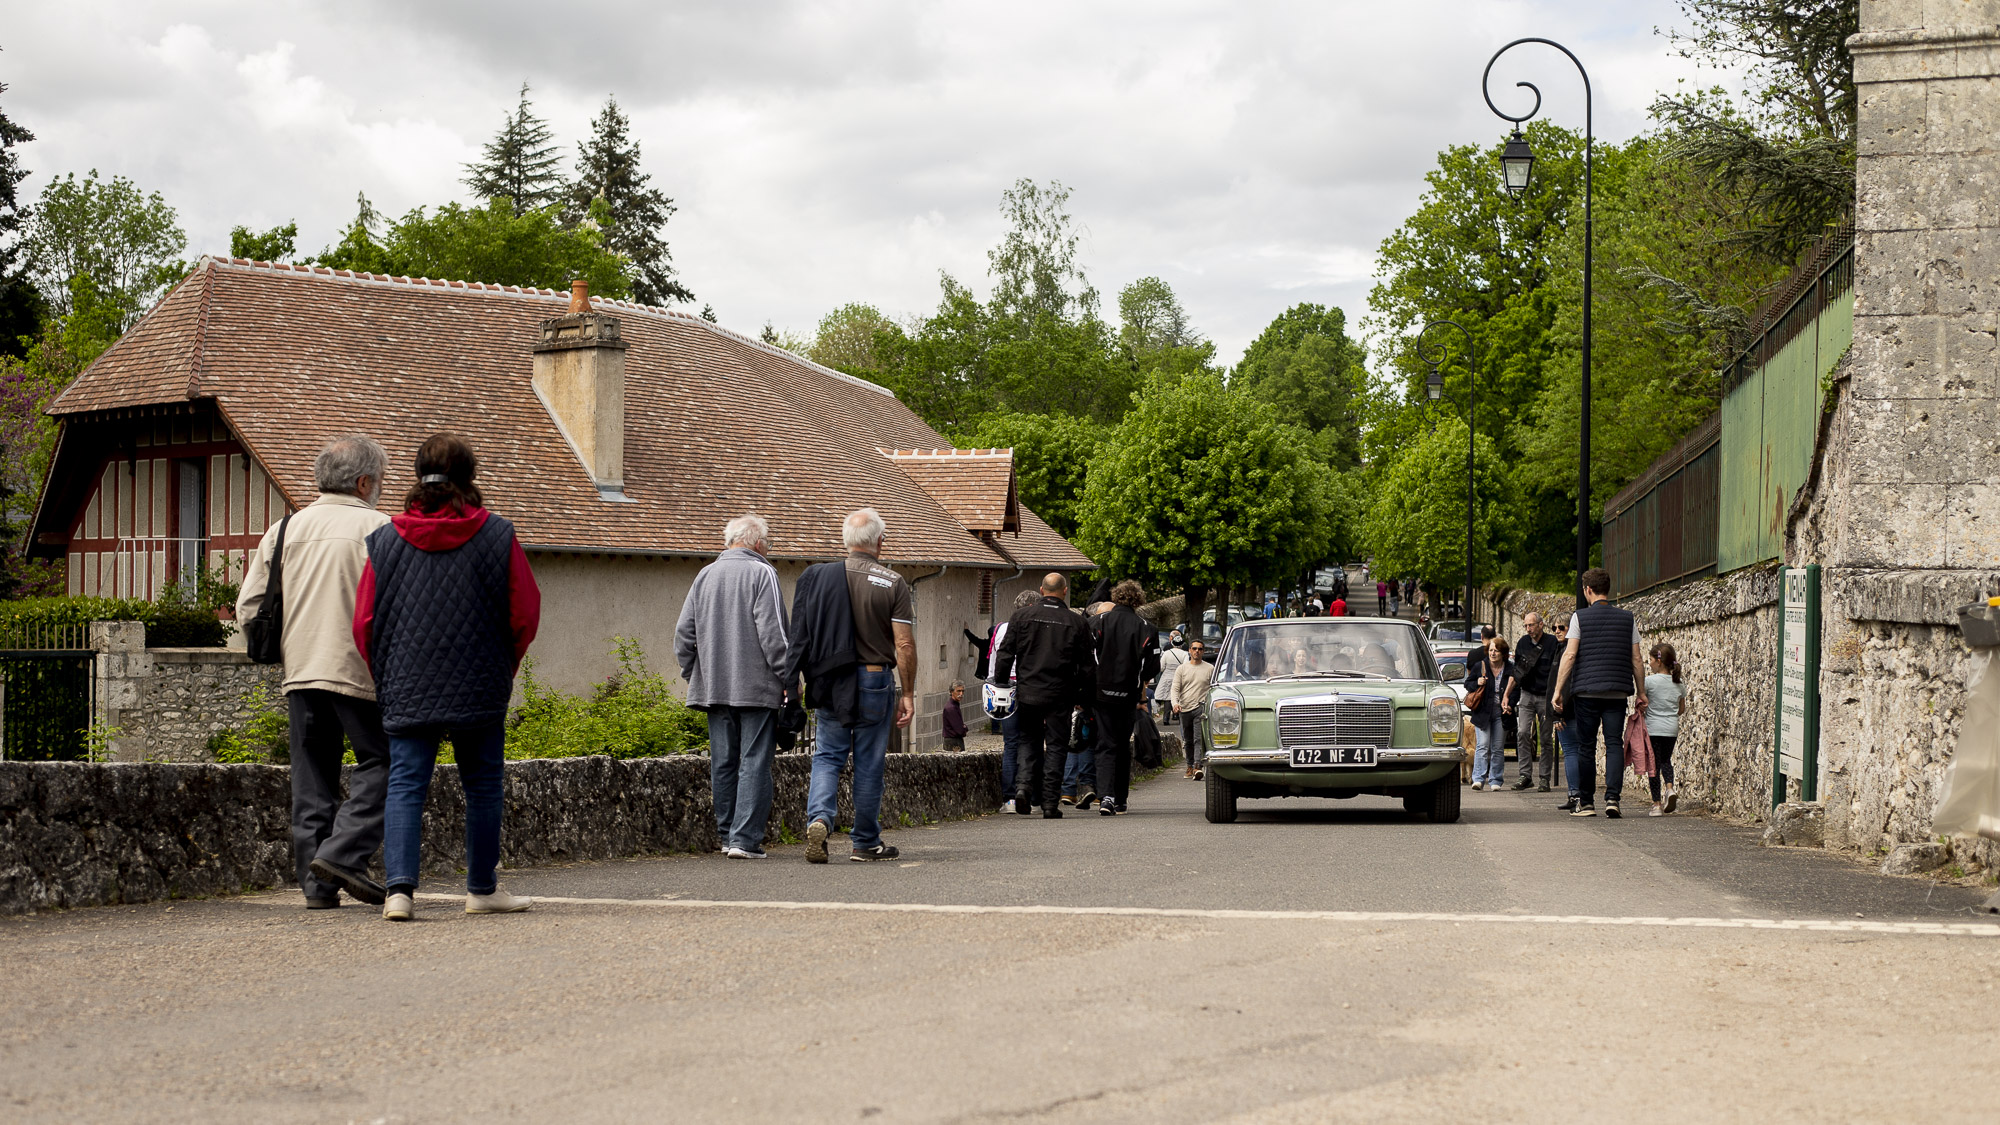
{"x":1393,"y":768}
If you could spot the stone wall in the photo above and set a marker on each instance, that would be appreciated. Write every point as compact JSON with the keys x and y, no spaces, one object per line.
{"x":74,"y":834}
{"x":166,"y":703}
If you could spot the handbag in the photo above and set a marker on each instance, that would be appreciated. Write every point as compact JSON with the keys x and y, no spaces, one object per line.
{"x":1475,"y":697}
{"x":264,"y":634}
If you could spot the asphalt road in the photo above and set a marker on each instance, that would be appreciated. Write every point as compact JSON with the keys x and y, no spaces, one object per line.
{"x":1316,"y":961}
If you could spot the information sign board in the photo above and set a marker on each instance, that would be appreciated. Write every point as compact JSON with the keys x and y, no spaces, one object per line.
{"x":1797,"y":739}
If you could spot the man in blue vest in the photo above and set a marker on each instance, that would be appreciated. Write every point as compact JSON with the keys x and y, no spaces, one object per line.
{"x":1601,"y":668}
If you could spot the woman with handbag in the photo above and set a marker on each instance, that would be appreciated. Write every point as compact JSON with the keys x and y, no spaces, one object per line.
{"x":1486,"y":682}
{"x":446,"y":609}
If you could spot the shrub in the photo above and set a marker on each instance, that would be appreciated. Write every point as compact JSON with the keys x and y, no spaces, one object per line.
{"x":169,"y":624}
{"x":634,"y":714}
{"x":266,"y":738}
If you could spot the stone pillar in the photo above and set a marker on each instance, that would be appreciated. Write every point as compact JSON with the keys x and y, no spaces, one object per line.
{"x":120,"y":673}
{"x":1911,"y":485}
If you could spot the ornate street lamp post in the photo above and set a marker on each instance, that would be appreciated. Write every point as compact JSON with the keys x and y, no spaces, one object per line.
{"x":1517,"y":163}
{"x":1434,"y":386}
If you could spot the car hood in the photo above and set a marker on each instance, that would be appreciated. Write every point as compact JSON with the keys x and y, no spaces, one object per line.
{"x":1267,"y":693}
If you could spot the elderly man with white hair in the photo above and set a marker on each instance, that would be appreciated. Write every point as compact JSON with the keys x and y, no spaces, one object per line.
{"x":731,"y":646}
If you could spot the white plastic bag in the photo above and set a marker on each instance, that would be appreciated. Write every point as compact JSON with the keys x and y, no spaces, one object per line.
{"x":1970,"y":803}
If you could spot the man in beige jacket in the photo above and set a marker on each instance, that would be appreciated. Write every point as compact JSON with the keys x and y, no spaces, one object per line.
{"x":328,"y":689}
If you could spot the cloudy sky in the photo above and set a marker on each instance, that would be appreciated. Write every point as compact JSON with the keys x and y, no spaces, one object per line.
{"x":1252,"y":154}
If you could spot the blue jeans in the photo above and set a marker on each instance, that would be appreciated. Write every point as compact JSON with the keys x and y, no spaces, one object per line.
{"x":1566,"y":741}
{"x":1010,"y":747}
{"x":1081,"y":769}
{"x":868,"y":744}
{"x":1589,"y":715}
{"x":741,"y":741}
{"x":412,"y":756}
{"x":1489,"y":759}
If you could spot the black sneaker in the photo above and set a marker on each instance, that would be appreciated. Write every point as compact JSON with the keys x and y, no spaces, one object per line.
{"x":1024,"y":804}
{"x":1524,"y":783}
{"x":356,"y":883}
{"x":870,"y":855}
{"x":816,"y":841}
{"x":1567,"y":806}
{"x":1052,"y":812}
{"x":1611,"y":810}
{"x":1107,"y":807}
{"x":1583,"y":810}
{"x":1084,"y":801}
{"x":313,"y":903}
{"x":1541,"y":788}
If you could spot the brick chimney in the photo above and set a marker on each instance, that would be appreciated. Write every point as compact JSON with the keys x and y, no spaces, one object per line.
{"x":580,"y":378}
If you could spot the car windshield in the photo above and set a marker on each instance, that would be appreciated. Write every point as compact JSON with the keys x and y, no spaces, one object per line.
{"x":1328,"y":646}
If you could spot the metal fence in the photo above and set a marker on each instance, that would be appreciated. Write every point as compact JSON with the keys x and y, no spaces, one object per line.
{"x":46,"y":693}
{"x":1718,"y":500}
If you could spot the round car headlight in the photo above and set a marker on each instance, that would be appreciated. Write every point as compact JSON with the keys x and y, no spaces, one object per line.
{"x":1225,"y":719}
{"x":1444,"y":712}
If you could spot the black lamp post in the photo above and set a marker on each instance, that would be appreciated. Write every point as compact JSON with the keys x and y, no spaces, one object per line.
{"x":1517,"y":163}
{"x":1434,"y":386}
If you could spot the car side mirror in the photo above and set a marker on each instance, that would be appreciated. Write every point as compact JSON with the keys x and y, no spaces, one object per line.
{"x":1451,"y":671}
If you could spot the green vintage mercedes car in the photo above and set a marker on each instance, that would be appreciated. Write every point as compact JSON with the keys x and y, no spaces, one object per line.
{"x":1331,"y":707}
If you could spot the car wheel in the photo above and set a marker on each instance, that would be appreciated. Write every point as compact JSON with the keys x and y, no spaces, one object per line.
{"x":1221,"y":794}
{"x":1439,"y":800}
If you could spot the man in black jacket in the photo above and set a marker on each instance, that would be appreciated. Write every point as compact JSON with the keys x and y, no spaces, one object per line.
{"x":1127,"y":656}
{"x":1047,"y":651}
{"x":1535,"y":659}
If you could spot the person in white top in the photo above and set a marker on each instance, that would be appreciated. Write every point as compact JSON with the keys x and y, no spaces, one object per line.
{"x":1666,"y":699}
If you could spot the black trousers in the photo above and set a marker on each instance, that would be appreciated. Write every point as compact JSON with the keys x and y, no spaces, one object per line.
{"x":324,"y":826}
{"x":1114,"y":746}
{"x":1041,"y":752}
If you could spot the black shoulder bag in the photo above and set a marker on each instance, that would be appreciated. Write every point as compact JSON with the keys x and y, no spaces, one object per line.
{"x":264,"y":634}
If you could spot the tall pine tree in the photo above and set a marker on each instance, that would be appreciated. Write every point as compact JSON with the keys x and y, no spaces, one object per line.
{"x":520,"y":163}
{"x":607,"y":167}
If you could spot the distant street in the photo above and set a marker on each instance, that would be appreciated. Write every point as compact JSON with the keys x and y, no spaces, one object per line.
{"x":631,"y":1008}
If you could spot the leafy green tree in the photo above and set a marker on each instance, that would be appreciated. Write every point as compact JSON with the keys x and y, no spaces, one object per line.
{"x":1034,"y":268}
{"x":275,"y":245}
{"x":490,"y":243}
{"x":1052,"y":454}
{"x":126,"y":242}
{"x":1201,"y":486}
{"x":519,"y":164}
{"x":846,"y":338}
{"x":21,"y":306}
{"x":1304,"y":364}
{"x":607,"y":168}
{"x":783,"y":338}
{"x":1151,"y":319}
{"x":1416,"y":526}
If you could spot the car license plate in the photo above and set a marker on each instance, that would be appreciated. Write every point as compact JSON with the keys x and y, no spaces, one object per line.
{"x":1309,"y":757}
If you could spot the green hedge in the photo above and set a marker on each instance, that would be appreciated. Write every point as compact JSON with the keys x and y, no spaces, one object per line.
{"x":634,"y":714}
{"x":169,"y":624}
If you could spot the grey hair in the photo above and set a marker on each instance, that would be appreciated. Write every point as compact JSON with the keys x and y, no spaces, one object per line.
{"x":1026,"y":598}
{"x":746,"y":530}
{"x":345,"y":460}
{"x":863,"y":529}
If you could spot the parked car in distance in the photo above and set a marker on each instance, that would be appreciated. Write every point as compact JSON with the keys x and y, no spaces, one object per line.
{"x":1453,"y":630}
{"x":1331,"y":707}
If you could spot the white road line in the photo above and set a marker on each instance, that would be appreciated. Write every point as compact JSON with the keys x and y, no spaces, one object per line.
{"x":1864,"y":926}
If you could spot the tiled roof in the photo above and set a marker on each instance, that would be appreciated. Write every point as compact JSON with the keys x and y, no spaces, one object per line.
{"x":975,"y":485}
{"x":716,"y":423}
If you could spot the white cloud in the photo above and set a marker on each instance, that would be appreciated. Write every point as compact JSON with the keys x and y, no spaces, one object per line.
{"x":1253,"y":155}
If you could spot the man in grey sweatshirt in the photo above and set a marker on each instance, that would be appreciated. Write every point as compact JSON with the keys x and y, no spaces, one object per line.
{"x":731,"y":644}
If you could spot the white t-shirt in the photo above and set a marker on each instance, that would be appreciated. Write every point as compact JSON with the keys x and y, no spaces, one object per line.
{"x":1663,"y":705}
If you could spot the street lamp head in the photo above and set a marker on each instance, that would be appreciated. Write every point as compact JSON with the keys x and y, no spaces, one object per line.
{"x":1517,"y":164}
{"x":1434,"y":384}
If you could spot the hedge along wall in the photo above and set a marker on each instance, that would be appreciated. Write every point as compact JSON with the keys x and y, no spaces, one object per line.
{"x":76,"y":834}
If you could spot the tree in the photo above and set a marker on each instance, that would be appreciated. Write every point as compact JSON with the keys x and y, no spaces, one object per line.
{"x":1417,"y":527}
{"x":519,"y":163}
{"x":786,"y":339}
{"x":1052,"y":454}
{"x":491,"y":244}
{"x":607,"y":168}
{"x":1304,"y":364}
{"x":1201,"y":486}
{"x":1151,"y":319}
{"x":275,"y":245}
{"x":21,"y":307}
{"x":124,"y":241}
{"x":1035,"y":263}
{"x":846,"y":338}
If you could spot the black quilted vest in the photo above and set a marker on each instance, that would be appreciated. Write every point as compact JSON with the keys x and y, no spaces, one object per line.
{"x":442,"y":647}
{"x":1604,"y":654}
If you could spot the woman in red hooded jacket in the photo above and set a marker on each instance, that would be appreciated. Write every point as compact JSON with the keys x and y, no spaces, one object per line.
{"x":446,"y":609}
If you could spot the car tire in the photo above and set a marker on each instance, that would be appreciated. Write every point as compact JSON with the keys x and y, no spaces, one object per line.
{"x":1221,"y":805}
{"x":1438,"y":801}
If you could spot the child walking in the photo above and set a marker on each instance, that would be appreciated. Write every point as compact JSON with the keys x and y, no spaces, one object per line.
{"x":1666,"y":699}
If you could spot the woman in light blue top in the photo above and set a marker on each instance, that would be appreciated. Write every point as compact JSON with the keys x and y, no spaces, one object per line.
{"x":1666,"y":699}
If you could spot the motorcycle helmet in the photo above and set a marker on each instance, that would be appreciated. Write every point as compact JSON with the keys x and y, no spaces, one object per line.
{"x":998,"y":701}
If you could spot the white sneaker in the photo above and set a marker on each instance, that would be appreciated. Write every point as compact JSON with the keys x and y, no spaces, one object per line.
{"x":1478,"y":785}
{"x":399,"y":908}
{"x":1008,"y":807}
{"x":745,"y":853}
{"x":499,"y":902}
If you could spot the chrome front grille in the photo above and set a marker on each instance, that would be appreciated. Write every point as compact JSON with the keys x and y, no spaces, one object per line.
{"x":1338,"y":720}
